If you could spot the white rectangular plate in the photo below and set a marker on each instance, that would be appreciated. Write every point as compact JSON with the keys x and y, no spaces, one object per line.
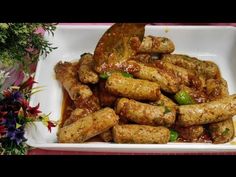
{"x":217,"y":44}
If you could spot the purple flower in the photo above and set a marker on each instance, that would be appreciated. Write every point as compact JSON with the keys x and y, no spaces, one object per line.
{"x":10,"y":123}
{"x":16,"y":135}
{"x":12,"y":96}
{"x":16,"y":96}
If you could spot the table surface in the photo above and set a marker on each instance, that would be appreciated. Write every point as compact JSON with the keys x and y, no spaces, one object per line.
{"x":50,"y":152}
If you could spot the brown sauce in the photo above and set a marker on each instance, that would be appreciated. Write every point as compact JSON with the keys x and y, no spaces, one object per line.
{"x":67,"y":107}
{"x":205,"y":138}
{"x":91,"y":104}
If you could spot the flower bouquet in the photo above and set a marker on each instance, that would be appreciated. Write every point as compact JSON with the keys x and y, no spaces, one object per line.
{"x":16,"y":114}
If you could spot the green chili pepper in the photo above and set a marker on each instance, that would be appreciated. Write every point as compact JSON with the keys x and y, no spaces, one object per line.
{"x":183,"y":98}
{"x":173,"y":136}
{"x":167,"y":110}
{"x":104,"y":76}
{"x":127,"y":75}
{"x":225,"y":132}
{"x":159,"y":103}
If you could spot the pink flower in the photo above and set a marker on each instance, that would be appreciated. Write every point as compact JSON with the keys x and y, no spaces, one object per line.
{"x":50,"y":125}
{"x":6,"y":93}
{"x":33,"y":110}
{"x":40,"y":31}
{"x":30,"y":49}
{"x":24,"y":103}
{"x":28,"y":83}
{"x":2,"y":129}
{"x":1,"y":115}
{"x":19,"y":78}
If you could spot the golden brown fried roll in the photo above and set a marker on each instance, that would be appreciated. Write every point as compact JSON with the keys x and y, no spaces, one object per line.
{"x":91,"y":103}
{"x":77,"y":114}
{"x":141,"y":134}
{"x":66,"y":74}
{"x":216,"y":89}
{"x":137,"y":89}
{"x":145,"y":114}
{"x":224,"y":88}
{"x":167,"y":81}
{"x":145,"y":58}
{"x":211,"y":112}
{"x":152,"y":44}
{"x":192,"y":133}
{"x":164,"y":101}
{"x":222,"y":132}
{"x":85,"y":70}
{"x":206,"y":68}
{"x":186,"y":76}
{"x":180,"y":72}
{"x":88,"y":126}
{"x":106,"y":136}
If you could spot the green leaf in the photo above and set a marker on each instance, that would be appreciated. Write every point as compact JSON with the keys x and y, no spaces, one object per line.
{"x":4,"y":26}
{"x":18,"y":125}
{"x":11,"y":148}
{"x":17,"y":38}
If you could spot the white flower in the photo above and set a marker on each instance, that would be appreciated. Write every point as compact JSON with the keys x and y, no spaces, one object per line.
{"x":3,"y":76}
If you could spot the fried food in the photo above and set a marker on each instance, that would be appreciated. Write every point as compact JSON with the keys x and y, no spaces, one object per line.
{"x":140,"y":134}
{"x":206,"y":68}
{"x":204,"y":113}
{"x":164,"y":101}
{"x":67,"y":75}
{"x":137,"y":89}
{"x":216,"y":89}
{"x":76,"y":115}
{"x":186,"y":77}
{"x":85,"y":69}
{"x":88,"y":126}
{"x":167,"y":81}
{"x":145,"y":114}
{"x":106,"y":136}
{"x":222,"y":132}
{"x":134,"y":90}
{"x":192,"y":133}
{"x":152,"y":44}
